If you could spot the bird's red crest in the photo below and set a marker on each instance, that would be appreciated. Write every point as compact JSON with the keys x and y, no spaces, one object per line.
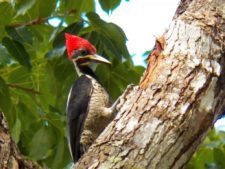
{"x":74,"y":42}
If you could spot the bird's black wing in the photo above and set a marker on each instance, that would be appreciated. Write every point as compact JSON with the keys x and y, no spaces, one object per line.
{"x":77,"y":107}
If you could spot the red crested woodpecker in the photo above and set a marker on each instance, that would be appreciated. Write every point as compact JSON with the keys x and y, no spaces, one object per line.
{"x":88,"y":103}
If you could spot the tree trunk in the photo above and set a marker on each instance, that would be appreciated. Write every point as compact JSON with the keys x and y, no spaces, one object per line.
{"x":10,"y":157}
{"x":161,"y":122}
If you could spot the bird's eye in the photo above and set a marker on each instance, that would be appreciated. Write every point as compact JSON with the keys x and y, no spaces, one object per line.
{"x":83,"y":52}
{"x":80,"y":52}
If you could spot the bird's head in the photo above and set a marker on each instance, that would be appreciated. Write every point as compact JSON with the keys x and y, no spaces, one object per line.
{"x":82,"y":52}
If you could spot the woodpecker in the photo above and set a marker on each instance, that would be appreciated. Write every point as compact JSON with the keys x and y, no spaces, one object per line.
{"x":88,"y":104}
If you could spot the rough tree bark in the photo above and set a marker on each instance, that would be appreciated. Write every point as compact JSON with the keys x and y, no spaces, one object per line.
{"x":162,"y":121}
{"x":10,"y":157}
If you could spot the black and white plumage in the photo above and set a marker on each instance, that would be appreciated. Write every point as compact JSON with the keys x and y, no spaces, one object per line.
{"x":87,"y":114}
{"x":88,"y":104}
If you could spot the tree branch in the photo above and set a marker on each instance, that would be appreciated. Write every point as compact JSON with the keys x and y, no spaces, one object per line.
{"x":162,"y":121}
{"x":10,"y":157}
{"x":39,"y":20}
{"x":36,"y":21}
{"x":23,"y":88}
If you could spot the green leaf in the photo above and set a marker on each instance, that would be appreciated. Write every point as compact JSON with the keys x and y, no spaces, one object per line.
{"x":23,"y":6}
{"x":74,"y":28}
{"x":59,"y":41}
{"x":205,"y":155}
{"x":46,"y":7}
{"x":21,"y":75}
{"x":110,"y":31}
{"x":108,"y":47}
{"x":4,"y":56}
{"x":37,"y":33}
{"x":56,"y":120}
{"x":112,"y":77}
{"x":56,"y":52}
{"x":27,"y":136}
{"x":61,"y":156}
{"x":21,"y":34}
{"x":210,"y":154}
{"x":6,"y":13}
{"x":88,"y":6}
{"x":59,"y":70}
{"x":17,"y":50}
{"x":109,"y":5}
{"x":41,"y":143}
{"x":16,"y":131}
{"x":219,"y":155}
{"x":80,"y":6}
{"x":2,"y":31}
{"x":41,"y":9}
{"x":25,"y":107}
{"x":5,"y":100}
{"x":71,"y":4}
{"x":37,"y":121}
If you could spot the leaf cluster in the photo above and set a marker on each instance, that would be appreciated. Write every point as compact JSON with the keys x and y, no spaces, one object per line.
{"x":35,"y":74}
{"x":210,"y":154}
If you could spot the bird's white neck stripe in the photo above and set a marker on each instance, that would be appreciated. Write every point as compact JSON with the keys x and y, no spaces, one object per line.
{"x":79,"y":73}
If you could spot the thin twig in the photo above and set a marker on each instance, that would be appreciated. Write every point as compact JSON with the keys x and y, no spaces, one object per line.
{"x":32,"y":22}
{"x":23,"y":88}
{"x":39,"y":20}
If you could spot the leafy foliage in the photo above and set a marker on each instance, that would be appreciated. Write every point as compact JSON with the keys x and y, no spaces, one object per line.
{"x":35,"y":74}
{"x":211,"y":153}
